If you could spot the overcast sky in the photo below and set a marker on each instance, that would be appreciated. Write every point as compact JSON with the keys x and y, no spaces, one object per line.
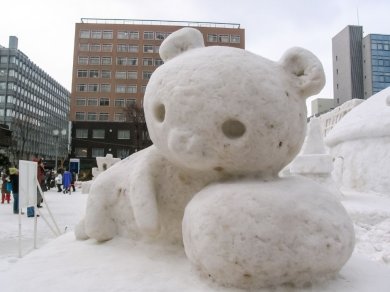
{"x":45,"y":28}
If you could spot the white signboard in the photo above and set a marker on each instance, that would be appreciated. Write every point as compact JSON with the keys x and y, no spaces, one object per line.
{"x":27,"y":183}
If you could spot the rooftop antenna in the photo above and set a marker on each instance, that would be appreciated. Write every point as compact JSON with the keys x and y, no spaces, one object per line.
{"x":357,"y":15}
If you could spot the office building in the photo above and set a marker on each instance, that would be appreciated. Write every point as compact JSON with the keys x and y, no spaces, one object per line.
{"x":361,"y":66}
{"x":348,"y":64}
{"x":376,"y":63}
{"x":113,"y":61}
{"x":32,"y":105}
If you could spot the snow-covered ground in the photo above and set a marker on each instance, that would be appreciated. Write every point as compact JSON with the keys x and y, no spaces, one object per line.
{"x":65,"y":264}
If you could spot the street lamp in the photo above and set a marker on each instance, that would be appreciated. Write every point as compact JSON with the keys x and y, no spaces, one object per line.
{"x":56,"y":133}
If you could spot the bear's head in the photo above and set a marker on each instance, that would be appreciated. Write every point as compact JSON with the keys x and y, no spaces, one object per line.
{"x":228,"y":110}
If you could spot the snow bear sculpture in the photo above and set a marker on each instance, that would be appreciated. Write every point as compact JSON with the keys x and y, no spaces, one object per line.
{"x":213,"y":114}
{"x":224,"y":122}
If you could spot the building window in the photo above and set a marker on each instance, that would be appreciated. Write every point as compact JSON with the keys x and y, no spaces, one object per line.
{"x":96,"y":34}
{"x":158,"y":62}
{"x":85,"y":34}
{"x":122,"y":153}
{"x":132,"y":88}
{"x":105,"y":87}
{"x":83,"y":61}
{"x":93,"y":87}
{"x":80,"y":152}
{"x":130,"y":101}
{"x":93,"y":73}
{"x":106,"y":74}
{"x":121,"y":60}
{"x":80,"y":116}
{"x":107,"y":47}
{"x":212,"y":38}
{"x":120,"y":74}
{"x":120,"y":88}
{"x":91,"y":116}
{"x":146,"y":75}
{"x":122,"y":35}
{"x":143,"y":88}
{"x":92,"y":102}
{"x":156,"y":49}
{"x":81,"y":87}
{"x":223,"y":38}
{"x":133,"y":48}
{"x":161,"y":35}
{"x":103,"y":117}
{"x":122,"y":48}
{"x":107,"y":34}
{"x":84,"y":47}
{"x":119,"y":117}
{"x":132,"y":61}
{"x":124,"y":134}
{"x":81,"y":101}
{"x":97,"y":152}
{"x":148,"y":49}
{"x":148,"y":35}
{"x":98,"y":133}
{"x":95,"y":48}
{"x":235,"y":39}
{"x":82,"y":133}
{"x":104,"y":101}
{"x":106,"y":60}
{"x":94,"y":60}
{"x":134,"y":35}
{"x":132,"y":74}
{"x":82,"y":73}
{"x":120,"y":102}
{"x":147,"y":62}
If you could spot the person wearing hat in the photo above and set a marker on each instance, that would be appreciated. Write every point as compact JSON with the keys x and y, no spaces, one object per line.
{"x":14,"y":178}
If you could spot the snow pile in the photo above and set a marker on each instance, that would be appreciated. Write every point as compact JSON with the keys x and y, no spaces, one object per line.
{"x":260,"y":234}
{"x":360,"y":145}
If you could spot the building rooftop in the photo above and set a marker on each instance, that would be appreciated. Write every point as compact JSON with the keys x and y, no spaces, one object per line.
{"x":160,"y":22}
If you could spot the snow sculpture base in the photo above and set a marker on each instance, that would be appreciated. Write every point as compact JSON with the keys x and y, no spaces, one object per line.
{"x":79,"y":266}
{"x":259,"y":234}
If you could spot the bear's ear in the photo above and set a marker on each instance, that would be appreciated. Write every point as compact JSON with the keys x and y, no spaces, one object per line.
{"x":180,"y":41}
{"x":306,"y":71}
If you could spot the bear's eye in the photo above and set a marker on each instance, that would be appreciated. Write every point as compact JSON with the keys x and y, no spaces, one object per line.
{"x":159,"y":112}
{"x":233,"y":129}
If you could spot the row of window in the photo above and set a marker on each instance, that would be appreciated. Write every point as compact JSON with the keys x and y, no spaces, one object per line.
{"x":101,"y":134}
{"x":103,"y":101}
{"x":32,"y":74}
{"x":54,"y":105}
{"x":119,"y":88}
{"x":93,"y":116}
{"x":99,"y":152}
{"x":120,"y":48}
{"x":129,"y":61}
{"x":385,"y":47}
{"x":150,"y":35}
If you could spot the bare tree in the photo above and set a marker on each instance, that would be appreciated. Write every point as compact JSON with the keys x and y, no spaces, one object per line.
{"x":20,"y":132}
{"x":135,"y":115}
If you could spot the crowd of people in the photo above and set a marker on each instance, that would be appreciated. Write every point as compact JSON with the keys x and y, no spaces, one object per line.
{"x":47,"y":179}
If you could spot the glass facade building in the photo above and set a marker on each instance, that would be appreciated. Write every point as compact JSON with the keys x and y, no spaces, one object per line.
{"x":376,"y":63}
{"x":32,"y":105}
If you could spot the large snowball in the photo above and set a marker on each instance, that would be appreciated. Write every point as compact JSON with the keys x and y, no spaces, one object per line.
{"x":257,"y":234}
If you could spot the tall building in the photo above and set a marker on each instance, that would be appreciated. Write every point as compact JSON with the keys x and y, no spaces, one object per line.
{"x":348,"y":64}
{"x":376,"y":63}
{"x":113,"y":61}
{"x":32,"y":105}
{"x":361,"y":66}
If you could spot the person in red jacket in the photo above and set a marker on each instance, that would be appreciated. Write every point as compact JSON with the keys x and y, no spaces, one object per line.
{"x":5,"y":194}
{"x":41,"y":179}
